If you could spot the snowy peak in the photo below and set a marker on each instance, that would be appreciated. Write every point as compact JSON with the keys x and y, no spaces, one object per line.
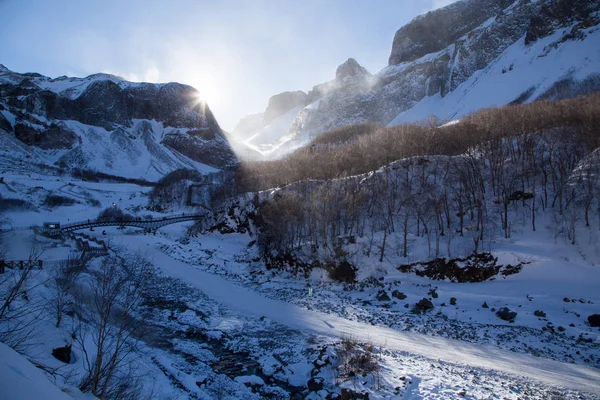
{"x":71,"y":119}
{"x":350,"y":68}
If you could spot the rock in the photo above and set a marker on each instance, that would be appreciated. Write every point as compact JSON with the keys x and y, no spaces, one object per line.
{"x":63,"y":354}
{"x":453,"y":301}
{"x":282,"y":103}
{"x":594,"y":320}
{"x":539,"y":313}
{"x":349,"y":394}
{"x":250,"y":380}
{"x":437,"y":29}
{"x":398,"y":295}
{"x":383,"y":296}
{"x":485,"y":305}
{"x":506,"y":315}
{"x":561,"y":328}
{"x":424,"y":305}
{"x":315,"y":384}
{"x":433,"y":293}
{"x":111,"y":103}
{"x":350,"y":68}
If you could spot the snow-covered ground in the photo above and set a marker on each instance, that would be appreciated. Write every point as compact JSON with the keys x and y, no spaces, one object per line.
{"x":221,"y":323}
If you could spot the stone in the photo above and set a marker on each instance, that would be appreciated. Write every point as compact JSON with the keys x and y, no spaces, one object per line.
{"x":63,"y":354}
{"x":506,"y":315}
{"x":398,"y":295}
{"x":539,"y":313}
{"x":383,"y":296}
{"x":594,"y":320}
{"x":315,"y":384}
{"x":424,"y":305}
{"x":453,"y":301}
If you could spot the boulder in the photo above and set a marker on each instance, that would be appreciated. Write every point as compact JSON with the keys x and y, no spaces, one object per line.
{"x":539,"y":313}
{"x":424,"y":305}
{"x":398,"y":295}
{"x":63,"y":354}
{"x":383,"y":296}
{"x":594,"y":320}
{"x":315,"y":384}
{"x":506,"y":315}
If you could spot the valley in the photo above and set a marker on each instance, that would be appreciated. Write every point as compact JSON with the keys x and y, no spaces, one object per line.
{"x":430,"y":230}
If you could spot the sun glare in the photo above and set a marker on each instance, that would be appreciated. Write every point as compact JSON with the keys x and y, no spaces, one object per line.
{"x":208,"y":91}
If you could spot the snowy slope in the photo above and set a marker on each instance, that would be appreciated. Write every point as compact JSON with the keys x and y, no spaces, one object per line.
{"x":247,"y":302}
{"x":521,"y":69}
{"x":20,"y":379}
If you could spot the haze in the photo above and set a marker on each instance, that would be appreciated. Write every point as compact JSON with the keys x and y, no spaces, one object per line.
{"x":237,"y":53}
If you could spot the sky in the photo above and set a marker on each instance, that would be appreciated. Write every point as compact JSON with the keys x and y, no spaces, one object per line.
{"x":237,"y":53}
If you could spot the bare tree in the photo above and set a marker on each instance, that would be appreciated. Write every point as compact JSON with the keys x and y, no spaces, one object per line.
{"x":62,"y":284}
{"x":19,"y":312}
{"x":107,"y":326}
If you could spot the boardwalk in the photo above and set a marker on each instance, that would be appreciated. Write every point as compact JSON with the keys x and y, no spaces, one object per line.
{"x":150,"y":224}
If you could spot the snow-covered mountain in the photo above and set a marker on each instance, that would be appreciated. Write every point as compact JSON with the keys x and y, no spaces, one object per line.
{"x":105,"y":123}
{"x":449,"y":62}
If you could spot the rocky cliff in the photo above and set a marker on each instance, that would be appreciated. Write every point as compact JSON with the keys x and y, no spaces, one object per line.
{"x":106,"y":123}
{"x":454,"y":60}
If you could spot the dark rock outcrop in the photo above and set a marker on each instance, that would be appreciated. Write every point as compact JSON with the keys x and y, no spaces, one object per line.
{"x":315,"y":384}
{"x":473,"y":268}
{"x":383,"y":296}
{"x":398,"y":295}
{"x":506,"y":315}
{"x":594,"y":320}
{"x":63,"y":354}
{"x":438,"y":29}
{"x":424,"y":305}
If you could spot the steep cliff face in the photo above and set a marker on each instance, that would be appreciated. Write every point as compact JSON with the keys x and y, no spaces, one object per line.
{"x":282,"y":103}
{"x":471,"y":54}
{"x":154,"y":127}
{"x":438,"y":29}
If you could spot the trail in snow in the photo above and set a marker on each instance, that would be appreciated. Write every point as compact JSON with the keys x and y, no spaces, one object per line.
{"x":245,"y":301}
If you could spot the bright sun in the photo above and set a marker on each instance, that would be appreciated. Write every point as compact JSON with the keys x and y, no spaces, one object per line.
{"x":208,"y":91}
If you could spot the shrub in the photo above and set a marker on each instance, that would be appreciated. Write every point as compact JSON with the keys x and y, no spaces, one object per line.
{"x":54,"y":200}
{"x":8,"y":204}
{"x":355,"y":360}
{"x":114,"y":214}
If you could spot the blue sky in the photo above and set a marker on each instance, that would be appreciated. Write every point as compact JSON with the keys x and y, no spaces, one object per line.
{"x":237,"y":53}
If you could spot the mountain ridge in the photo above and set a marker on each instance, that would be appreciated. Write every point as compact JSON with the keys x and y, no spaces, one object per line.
{"x":519,"y":52}
{"x":105,"y":123}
